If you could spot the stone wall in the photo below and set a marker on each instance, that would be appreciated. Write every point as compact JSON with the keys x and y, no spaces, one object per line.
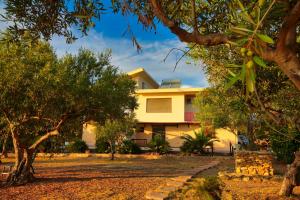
{"x":253,"y":163}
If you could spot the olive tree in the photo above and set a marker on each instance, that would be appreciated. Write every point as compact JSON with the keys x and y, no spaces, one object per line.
{"x":43,"y":96}
{"x":115,"y":131}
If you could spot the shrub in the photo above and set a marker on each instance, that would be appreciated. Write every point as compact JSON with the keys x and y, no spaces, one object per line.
{"x":159,"y":145}
{"x":285,"y":147}
{"x":197,"y":143}
{"x":129,"y":147}
{"x":213,"y":186}
{"x":53,"y":145}
{"x":102,"y":146}
{"x":78,"y":146}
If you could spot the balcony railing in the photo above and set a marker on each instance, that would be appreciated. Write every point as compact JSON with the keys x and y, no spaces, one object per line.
{"x":189,"y":117}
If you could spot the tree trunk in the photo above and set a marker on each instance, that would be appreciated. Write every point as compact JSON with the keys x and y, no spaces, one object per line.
{"x":112,"y":155}
{"x":112,"y":150}
{"x":22,"y":172}
{"x":4,"y":152}
{"x":290,"y":179}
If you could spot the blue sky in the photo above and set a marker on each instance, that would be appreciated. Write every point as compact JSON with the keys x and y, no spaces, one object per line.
{"x":108,"y":33}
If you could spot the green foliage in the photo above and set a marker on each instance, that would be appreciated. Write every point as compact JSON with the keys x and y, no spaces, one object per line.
{"x":232,"y":108}
{"x":129,"y":147}
{"x":213,"y":186}
{"x":114,"y":132}
{"x":285,"y":144}
{"x":54,"y":145}
{"x":159,"y":145}
{"x":196,"y":144}
{"x":253,"y":26}
{"x":102,"y":146}
{"x":220,"y":108}
{"x":77,"y":146}
{"x":41,"y":93}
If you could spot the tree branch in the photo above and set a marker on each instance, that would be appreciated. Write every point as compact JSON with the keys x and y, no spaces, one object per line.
{"x":51,"y":133}
{"x":287,"y":34}
{"x":194,"y":37}
{"x":286,"y":55}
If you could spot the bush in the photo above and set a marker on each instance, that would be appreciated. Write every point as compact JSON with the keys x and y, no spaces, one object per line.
{"x":102,"y":146}
{"x":197,"y":143}
{"x":213,"y":186}
{"x":159,"y":145}
{"x":129,"y":147}
{"x":285,"y":147}
{"x":78,"y":146}
{"x":53,"y":145}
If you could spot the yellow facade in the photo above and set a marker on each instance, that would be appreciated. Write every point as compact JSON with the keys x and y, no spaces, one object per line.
{"x":175,"y":122}
{"x":176,"y":116}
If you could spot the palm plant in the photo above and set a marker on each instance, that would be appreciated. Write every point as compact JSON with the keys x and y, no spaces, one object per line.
{"x":196,"y":144}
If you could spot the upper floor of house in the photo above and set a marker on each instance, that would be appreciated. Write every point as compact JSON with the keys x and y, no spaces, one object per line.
{"x":165,"y":102}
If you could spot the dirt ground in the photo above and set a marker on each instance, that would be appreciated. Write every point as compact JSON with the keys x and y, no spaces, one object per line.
{"x":99,"y":178}
{"x":241,"y":190}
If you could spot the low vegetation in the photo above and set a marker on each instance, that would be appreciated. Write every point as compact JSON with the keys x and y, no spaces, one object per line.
{"x":159,"y":145}
{"x":196,"y":144}
{"x":77,"y":146}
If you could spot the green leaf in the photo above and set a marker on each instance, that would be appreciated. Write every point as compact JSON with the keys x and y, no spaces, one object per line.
{"x":233,"y":66}
{"x":243,"y":73}
{"x":232,"y":81}
{"x":231,"y":73}
{"x":265,"y":38}
{"x":241,"y":29}
{"x":242,"y":41}
{"x":259,"y":61}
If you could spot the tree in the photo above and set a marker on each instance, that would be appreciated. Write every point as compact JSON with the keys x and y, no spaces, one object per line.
{"x":263,"y":114}
{"x":114,"y":132}
{"x":252,"y":25}
{"x":43,"y":96}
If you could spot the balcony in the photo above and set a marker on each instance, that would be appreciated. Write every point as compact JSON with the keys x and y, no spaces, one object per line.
{"x":189,"y":116}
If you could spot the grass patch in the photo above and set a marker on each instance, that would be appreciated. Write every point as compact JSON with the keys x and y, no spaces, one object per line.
{"x":209,"y":188}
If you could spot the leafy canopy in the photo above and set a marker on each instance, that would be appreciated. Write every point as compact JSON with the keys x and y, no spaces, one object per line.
{"x":43,"y":94}
{"x":264,"y":30}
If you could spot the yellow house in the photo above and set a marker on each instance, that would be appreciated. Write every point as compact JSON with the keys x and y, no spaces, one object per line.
{"x":168,"y":110}
{"x":164,"y":109}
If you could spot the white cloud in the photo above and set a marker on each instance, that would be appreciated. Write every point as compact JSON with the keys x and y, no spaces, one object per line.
{"x":126,"y":57}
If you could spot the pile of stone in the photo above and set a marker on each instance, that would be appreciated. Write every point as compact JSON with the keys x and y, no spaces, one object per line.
{"x":254,"y":163}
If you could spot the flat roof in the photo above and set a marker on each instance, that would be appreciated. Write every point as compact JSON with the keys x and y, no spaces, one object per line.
{"x":169,"y":90}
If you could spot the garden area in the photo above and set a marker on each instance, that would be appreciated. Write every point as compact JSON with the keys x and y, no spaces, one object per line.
{"x":100,"y":178}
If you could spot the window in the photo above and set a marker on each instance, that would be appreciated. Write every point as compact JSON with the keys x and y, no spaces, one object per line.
{"x":143,"y":85}
{"x":159,"y":105}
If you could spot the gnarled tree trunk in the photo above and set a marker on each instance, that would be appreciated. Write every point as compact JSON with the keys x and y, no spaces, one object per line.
{"x":291,"y":177}
{"x":22,"y":172}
